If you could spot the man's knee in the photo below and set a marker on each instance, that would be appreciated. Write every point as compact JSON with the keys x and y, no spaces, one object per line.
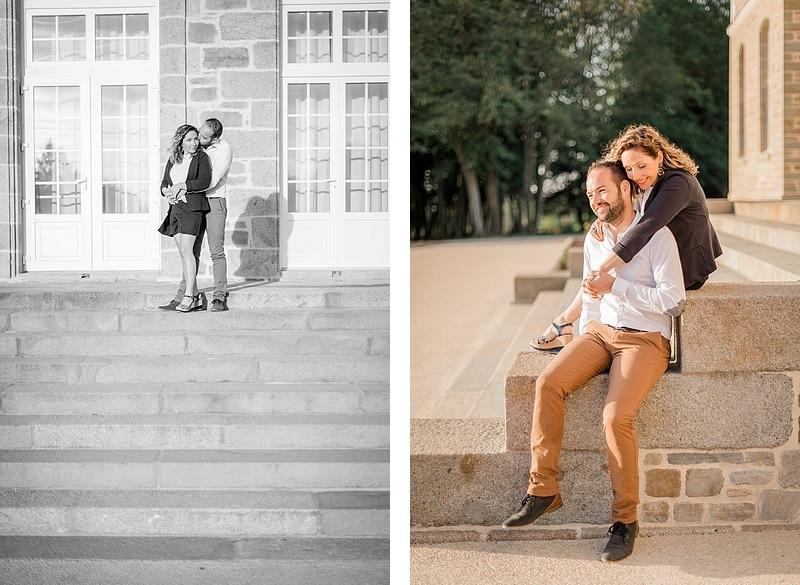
{"x":615,"y":419}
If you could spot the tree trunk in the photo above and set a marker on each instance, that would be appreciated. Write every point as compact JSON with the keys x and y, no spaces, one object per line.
{"x":473,"y":191}
{"x":495,"y":206}
{"x":545,"y":158}
{"x":529,"y":179}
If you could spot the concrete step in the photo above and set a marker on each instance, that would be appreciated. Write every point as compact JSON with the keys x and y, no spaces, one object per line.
{"x":201,"y":369}
{"x":758,"y":262}
{"x":245,"y":513}
{"x":324,"y":562}
{"x":335,"y":560}
{"x":200,"y":343}
{"x":139,"y":296}
{"x":779,"y":236}
{"x":193,"y":398}
{"x":90,"y":469}
{"x":784,"y":212}
{"x":120,"y":320}
{"x":182,"y":431}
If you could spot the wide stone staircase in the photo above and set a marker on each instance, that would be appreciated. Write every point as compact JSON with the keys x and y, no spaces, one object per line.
{"x":262,"y":433}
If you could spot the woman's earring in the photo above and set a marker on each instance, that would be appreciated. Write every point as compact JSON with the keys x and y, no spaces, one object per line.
{"x":660,"y":169}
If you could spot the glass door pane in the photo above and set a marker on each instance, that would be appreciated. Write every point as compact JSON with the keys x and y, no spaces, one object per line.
{"x":309,"y":151}
{"x":58,"y":173}
{"x":124,"y":150}
{"x":367,"y":147}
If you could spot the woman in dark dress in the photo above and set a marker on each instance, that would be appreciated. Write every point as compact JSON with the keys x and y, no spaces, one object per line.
{"x":186,"y":177}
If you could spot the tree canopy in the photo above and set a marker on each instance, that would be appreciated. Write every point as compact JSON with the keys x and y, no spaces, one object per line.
{"x":512,"y":100}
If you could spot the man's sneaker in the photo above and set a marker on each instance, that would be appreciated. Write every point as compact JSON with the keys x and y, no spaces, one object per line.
{"x":620,"y":545}
{"x":219,"y":305}
{"x":532,"y":508}
{"x":170,"y":306}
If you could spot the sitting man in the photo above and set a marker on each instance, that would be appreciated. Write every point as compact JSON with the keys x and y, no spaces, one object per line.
{"x":626,"y":333}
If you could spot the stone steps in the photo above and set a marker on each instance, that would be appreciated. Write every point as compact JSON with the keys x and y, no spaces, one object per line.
{"x":243,"y":513}
{"x":194,"y":398}
{"x":193,"y":343}
{"x":260,"y":431}
{"x":194,"y":469}
{"x":214,"y":369}
{"x":761,"y":241}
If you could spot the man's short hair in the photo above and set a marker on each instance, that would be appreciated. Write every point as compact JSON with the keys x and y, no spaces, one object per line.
{"x":216,"y":127}
{"x":618,"y":174}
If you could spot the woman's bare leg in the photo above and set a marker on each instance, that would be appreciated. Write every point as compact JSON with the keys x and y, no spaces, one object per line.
{"x":185,"y":243}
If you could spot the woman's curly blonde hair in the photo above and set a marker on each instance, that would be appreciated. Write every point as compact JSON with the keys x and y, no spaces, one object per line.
{"x":650,"y":141}
{"x":176,"y":146}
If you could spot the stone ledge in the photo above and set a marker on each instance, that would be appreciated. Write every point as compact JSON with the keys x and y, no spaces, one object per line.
{"x":682,"y":411}
{"x":528,"y":286}
{"x":727,"y":327}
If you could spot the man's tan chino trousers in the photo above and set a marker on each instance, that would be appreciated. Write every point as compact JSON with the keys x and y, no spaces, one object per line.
{"x":634,"y":361}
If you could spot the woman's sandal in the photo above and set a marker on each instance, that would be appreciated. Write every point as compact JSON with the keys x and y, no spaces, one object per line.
{"x":557,"y":343}
{"x":194,"y":304}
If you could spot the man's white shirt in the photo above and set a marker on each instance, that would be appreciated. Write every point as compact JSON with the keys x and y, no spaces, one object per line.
{"x":221,"y":155}
{"x":648,"y":290}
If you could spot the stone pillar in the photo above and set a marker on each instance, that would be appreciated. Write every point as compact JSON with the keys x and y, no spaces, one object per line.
{"x":219,"y":59}
{"x":10,"y":155}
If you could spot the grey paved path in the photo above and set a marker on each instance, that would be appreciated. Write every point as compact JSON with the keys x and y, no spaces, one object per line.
{"x":461,"y":295}
{"x":753,"y":558}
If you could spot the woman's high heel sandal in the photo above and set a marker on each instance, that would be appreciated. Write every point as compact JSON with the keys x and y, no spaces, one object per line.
{"x":194,"y":304}
{"x":557,"y":343}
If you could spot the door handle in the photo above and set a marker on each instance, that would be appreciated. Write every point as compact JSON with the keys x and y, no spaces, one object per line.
{"x":81,"y":182}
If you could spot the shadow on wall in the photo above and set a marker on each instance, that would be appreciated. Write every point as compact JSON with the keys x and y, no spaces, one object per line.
{"x":254,"y":236}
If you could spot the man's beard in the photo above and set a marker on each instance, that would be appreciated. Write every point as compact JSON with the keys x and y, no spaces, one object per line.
{"x":613,"y":213}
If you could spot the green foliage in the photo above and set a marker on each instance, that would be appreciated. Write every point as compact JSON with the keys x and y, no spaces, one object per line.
{"x":525,"y":93}
{"x":676,"y":78}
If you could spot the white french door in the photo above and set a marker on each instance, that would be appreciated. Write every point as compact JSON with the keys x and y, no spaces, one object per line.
{"x":90,"y":139}
{"x":335,"y":125}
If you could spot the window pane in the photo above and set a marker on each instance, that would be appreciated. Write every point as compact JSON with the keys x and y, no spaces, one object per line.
{"x":125,"y":161}
{"x":137,"y":25}
{"x":44,"y":27}
{"x":297,"y":24}
{"x":138,"y":49}
{"x":122,"y":37}
{"x":136,"y":134}
{"x":71,"y":34}
{"x":57,"y":149}
{"x":320,"y":24}
{"x":110,"y":25}
{"x":308,"y":152}
{"x":45,"y":201}
{"x":309,"y":37}
{"x":72,"y":27}
{"x":136,"y":102}
{"x":58,"y":38}
{"x":319,"y":99}
{"x":353,"y":23}
{"x":365,"y":36}
{"x":366,"y":125}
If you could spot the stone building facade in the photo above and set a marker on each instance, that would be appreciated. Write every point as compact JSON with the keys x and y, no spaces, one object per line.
{"x":764,"y":143}
{"x":95,"y":90}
